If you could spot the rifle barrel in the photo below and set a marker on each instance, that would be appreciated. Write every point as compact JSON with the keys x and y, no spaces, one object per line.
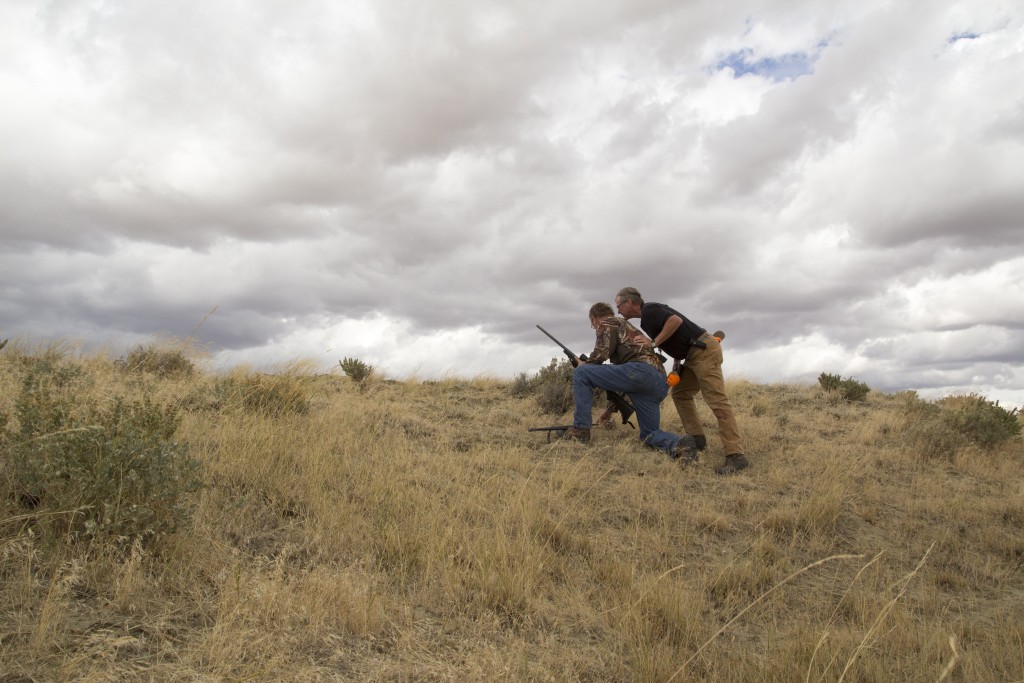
{"x":552,"y":338}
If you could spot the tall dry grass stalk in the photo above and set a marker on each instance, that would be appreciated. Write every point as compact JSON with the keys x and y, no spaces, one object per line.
{"x":415,"y":530}
{"x":872,"y":633}
{"x":753,"y":604}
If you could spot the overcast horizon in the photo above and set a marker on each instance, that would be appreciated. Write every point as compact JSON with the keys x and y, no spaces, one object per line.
{"x":839,"y":187}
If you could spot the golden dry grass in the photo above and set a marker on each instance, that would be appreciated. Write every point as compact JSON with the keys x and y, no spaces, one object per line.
{"x":408,"y":531}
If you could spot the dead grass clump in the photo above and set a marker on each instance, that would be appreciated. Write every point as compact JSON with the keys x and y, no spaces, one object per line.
{"x":665,"y":621}
{"x":264,"y":394}
{"x":504,"y":575}
{"x":816,"y":515}
{"x":739,"y":583}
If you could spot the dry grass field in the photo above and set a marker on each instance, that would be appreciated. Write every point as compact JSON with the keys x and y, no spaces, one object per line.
{"x":415,"y":531}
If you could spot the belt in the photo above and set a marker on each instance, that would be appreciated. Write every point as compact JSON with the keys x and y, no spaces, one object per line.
{"x":698,"y":343}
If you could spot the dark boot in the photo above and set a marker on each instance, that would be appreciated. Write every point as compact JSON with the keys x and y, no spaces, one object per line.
{"x":733,"y":464}
{"x":685,"y":450}
{"x":576,"y":434}
{"x":702,"y":442}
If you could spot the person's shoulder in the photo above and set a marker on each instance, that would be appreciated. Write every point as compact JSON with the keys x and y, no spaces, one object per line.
{"x":653,"y":307}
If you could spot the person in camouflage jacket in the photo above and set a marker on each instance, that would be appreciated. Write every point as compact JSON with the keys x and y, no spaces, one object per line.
{"x":636,"y":371}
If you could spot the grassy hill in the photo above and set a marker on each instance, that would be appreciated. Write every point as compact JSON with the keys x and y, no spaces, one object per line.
{"x":159,"y":522}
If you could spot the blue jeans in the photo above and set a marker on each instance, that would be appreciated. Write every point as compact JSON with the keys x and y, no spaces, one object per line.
{"x":645,"y":385}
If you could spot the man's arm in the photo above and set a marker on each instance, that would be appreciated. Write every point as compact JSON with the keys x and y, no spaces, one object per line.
{"x":670,"y":327}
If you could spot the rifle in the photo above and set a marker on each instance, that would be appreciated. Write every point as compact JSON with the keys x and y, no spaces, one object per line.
{"x":550,"y":430}
{"x":620,"y":402}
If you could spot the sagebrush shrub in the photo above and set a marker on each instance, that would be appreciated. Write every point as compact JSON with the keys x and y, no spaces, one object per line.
{"x":107,"y":470}
{"x":925,"y":430}
{"x":163,"y":363}
{"x":520,"y":386}
{"x":849,"y":388}
{"x":943,"y":427}
{"x":356,"y":369}
{"x":553,"y":386}
{"x":984,"y":422}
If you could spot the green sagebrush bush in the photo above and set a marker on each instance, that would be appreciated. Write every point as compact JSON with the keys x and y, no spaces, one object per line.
{"x":551,"y":385}
{"x":520,"y":386}
{"x":925,"y":430}
{"x":849,"y":388}
{"x":355,"y":369}
{"x":984,"y":422}
{"x":108,"y":469}
{"x":956,"y":422}
{"x":163,"y":363}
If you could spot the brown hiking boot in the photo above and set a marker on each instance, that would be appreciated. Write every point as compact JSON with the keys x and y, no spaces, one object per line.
{"x":576,"y":434}
{"x":685,"y":450}
{"x":733,"y":464}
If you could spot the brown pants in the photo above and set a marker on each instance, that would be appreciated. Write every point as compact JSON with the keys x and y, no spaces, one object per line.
{"x":703,"y":372}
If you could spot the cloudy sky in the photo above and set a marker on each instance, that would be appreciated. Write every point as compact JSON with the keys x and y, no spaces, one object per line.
{"x":839,"y":186}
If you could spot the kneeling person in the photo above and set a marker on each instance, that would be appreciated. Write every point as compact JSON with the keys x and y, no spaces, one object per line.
{"x":636,"y":371}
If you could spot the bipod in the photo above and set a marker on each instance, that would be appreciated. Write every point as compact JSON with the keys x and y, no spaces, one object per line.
{"x":550,"y":430}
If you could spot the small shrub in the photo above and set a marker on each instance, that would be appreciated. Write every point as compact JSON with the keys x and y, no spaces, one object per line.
{"x":829,"y":382}
{"x":160,"y":362}
{"x":984,"y":422}
{"x":520,"y":386}
{"x":555,"y":399}
{"x":111,"y":470}
{"x":356,"y":369}
{"x":553,"y":386}
{"x":849,"y":388}
{"x":925,"y":432}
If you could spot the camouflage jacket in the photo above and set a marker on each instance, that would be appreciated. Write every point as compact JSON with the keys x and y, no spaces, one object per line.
{"x":620,"y":342}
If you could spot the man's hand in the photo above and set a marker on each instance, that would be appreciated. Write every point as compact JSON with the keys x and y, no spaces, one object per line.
{"x":606,"y":415}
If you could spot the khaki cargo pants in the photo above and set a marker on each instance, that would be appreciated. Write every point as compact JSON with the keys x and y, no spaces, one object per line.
{"x":703,"y":372}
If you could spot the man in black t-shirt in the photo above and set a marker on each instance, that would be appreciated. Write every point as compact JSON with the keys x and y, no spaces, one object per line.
{"x":698,"y":357}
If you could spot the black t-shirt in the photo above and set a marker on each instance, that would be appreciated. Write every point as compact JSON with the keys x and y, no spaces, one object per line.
{"x":653,"y":317}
